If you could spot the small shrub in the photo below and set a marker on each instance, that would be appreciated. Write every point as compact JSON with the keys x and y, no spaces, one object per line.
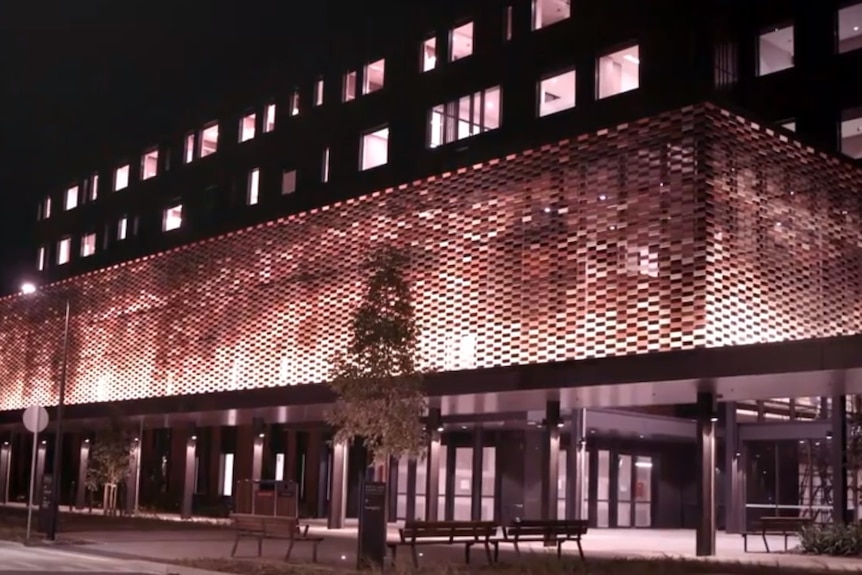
{"x":836,"y":540}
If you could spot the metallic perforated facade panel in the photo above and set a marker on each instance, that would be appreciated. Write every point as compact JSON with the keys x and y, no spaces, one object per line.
{"x":693,"y":228}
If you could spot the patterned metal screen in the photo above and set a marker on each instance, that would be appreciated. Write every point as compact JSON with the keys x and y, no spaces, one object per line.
{"x":690,"y":229}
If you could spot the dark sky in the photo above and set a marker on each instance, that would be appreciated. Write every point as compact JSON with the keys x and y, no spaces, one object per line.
{"x":80,"y":79}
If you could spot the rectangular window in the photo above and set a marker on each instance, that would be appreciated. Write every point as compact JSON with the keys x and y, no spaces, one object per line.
{"x":775,"y":50}
{"x":318,"y":92}
{"x":851,"y":133}
{"x":88,"y":245}
{"x":374,"y":149}
{"x":122,"y":228}
{"x":349,"y":90}
{"x":150,"y":164}
{"x":46,"y":212}
{"x":461,"y":42}
{"x":429,"y":54}
{"x":465,"y":117}
{"x":850,"y":28}
{"x":294,"y":103}
{"x":208,"y":141}
{"x":547,"y":12}
{"x":71,"y":198}
{"x":288,"y":182}
{"x":40,"y":258}
{"x":507,"y":23}
{"x":269,"y":118}
{"x":173,"y":218}
{"x":557,"y":93}
{"x":373,"y":76}
{"x":94,"y":187}
{"x":121,"y":177}
{"x":246,"y":127}
{"x":619,"y":72}
{"x":251,"y":197}
{"x":64,"y":250}
{"x":324,"y":176}
{"x":189,"y":148}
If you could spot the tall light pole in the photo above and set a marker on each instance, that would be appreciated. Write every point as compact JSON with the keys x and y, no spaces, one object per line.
{"x":54,"y":512}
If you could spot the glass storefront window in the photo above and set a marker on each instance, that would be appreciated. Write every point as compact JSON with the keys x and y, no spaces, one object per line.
{"x":624,"y":494}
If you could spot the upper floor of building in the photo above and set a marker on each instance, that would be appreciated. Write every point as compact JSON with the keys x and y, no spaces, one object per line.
{"x":417,"y":90}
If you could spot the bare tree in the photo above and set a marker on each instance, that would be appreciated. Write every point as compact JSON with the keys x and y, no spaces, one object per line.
{"x":108,"y":465}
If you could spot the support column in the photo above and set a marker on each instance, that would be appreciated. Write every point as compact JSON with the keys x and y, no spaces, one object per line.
{"x":5,"y":468}
{"x":83,"y":468}
{"x":476,"y":478}
{"x":258,"y":437}
{"x":734,"y":476}
{"x":134,"y":479}
{"x":191,"y":444}
{"x":706,"y":418}
{"x":432,"y":462}
{"x":577,"y":463}
{"x":410,"y":506}
{"x":40,"y":471}
{"x":337,"y":487}
{"x":551,"y":460}
{"x":290,"y":456}
{"x":839,"y":459}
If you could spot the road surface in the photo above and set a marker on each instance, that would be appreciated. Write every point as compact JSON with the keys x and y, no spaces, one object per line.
{"x":15,"y":558}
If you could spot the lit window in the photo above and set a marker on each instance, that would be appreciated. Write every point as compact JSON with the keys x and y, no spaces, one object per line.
{"x":121,"y":177}
{"x":790,"y":125}
{"x":288,"y":182}
{"x":775,"y":50}
{"x":429,"y":54}
{"x":40,"y":258}
{"x":547,"y":12}
{"x":850,"y":28}
{"x":88,"y":245}
{"x":209,"y":141}
{"x":619,"y":72}
{"x":94,"y":187}
{"x":375,"y":149}
{"x":557,"y":93}
{"x":851,"y":133}
{"x":318,"y":92}
{"x":294,"y":103}
{"x":246,"y":127}
{"x":64,"y":249}
{"x":71,"y":198}
{"x":150,"y":164}
{"x":253,"y":187}
{"x":461,"y":42}
{"x":269,"y":118}
{"x":507,"y":23}
{"x":189,"y":148}
{"x":373,"y":77}
{"x":173,"y":218}
{"x":47,"y":209}
{"x":122,"y":228}
{"x":465,"y":117}
{"x":349,"y":91}
{"x":324,"y":176}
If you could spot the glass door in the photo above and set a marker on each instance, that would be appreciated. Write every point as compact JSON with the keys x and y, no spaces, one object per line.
{"x":643,"y":491}
{"x":624,"y":491}
{"x":603,"y":495}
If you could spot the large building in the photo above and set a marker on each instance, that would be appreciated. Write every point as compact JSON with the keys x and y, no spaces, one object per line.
{"x":611,"y":225}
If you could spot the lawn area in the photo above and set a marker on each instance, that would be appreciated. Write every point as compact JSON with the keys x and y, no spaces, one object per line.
{"x":528,"y":567}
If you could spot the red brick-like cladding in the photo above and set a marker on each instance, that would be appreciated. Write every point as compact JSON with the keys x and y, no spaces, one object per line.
{"x":694,"y":228}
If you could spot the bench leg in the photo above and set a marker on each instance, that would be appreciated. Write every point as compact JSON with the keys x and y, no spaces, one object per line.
{"x":559,"y":549}
{"x":314,"y":551}
{"x":235,"y":543}
{"x":496,"y":551}
{"x":467,"y":547}
{"x":766,"y":543}
{"x":488,"y":553}
{"x":415,"y":557}
{"x":517,"y":549}
{"x":289,"y":550}
{"x":745,"y":543}
{"x":785,"y":541}
{"x":260,"y":546}
{"x":581,"y":550}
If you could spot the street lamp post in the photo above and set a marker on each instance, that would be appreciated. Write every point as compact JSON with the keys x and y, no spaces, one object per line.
{"x":54,"y":512}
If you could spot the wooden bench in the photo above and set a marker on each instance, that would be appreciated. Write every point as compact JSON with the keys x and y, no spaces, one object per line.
{"x":466,"y":533}
{"x":262,"y":527}
{"x":786,"y":526}
{"x":553,"y":531}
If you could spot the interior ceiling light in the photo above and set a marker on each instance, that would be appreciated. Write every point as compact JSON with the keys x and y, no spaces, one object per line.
{"x":631,"y":59}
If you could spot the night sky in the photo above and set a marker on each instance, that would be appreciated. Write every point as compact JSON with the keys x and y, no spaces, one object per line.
{"x":81,"y":78}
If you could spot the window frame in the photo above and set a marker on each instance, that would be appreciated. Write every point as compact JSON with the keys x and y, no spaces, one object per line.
{"x":73,"y":192}
{"x":199,"y":148}
{"x":242,"y":121}
{"x":451,"y":56}
{"x":365,"y":134}
{"x":286,"y":174}
{"x":144,"y":156}
{"x":67,"y":241}
{"x":451,"y":114}
{"x":165,"y":215}
{"x":777,"y":27}
{"x":365,"y":85}
{"x":550,"y":76}
{"x":423,"y":58}
{"x":83,"y":252}
{"x":607,"y":54}
{"x":270,"y":113}
{"x":127,"y":168}
{"x":843,"y":7}
{"x":252,"y":187}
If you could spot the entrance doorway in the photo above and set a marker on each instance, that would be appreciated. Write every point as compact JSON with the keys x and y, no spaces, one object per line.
{"x":624,"y":494}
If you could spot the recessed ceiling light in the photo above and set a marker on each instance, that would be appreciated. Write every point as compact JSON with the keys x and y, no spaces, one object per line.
{"x":855,"y":28}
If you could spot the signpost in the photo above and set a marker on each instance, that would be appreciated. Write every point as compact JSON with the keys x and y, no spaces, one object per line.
{"x":35,"y":420}
{"x":372,"y":526}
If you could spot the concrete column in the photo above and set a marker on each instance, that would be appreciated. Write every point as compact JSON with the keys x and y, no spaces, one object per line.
{"x":476,"y":479}
{"x":258,"y":437}
{"x":432,"y":462}
{"x":839,"y":459}
{"x":410,"y":511}
{"x":5,"y":468}
{"x":337,"y":487}
{"x":40,"y":471}
{"x":734,"y":476}
{"x":576,"y":460}
{"x":706,"y":417}
{"x":189,"y":475}
{"x":290,"y":455}
{"x":551,"y":461}
{"x":83,"y":468}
